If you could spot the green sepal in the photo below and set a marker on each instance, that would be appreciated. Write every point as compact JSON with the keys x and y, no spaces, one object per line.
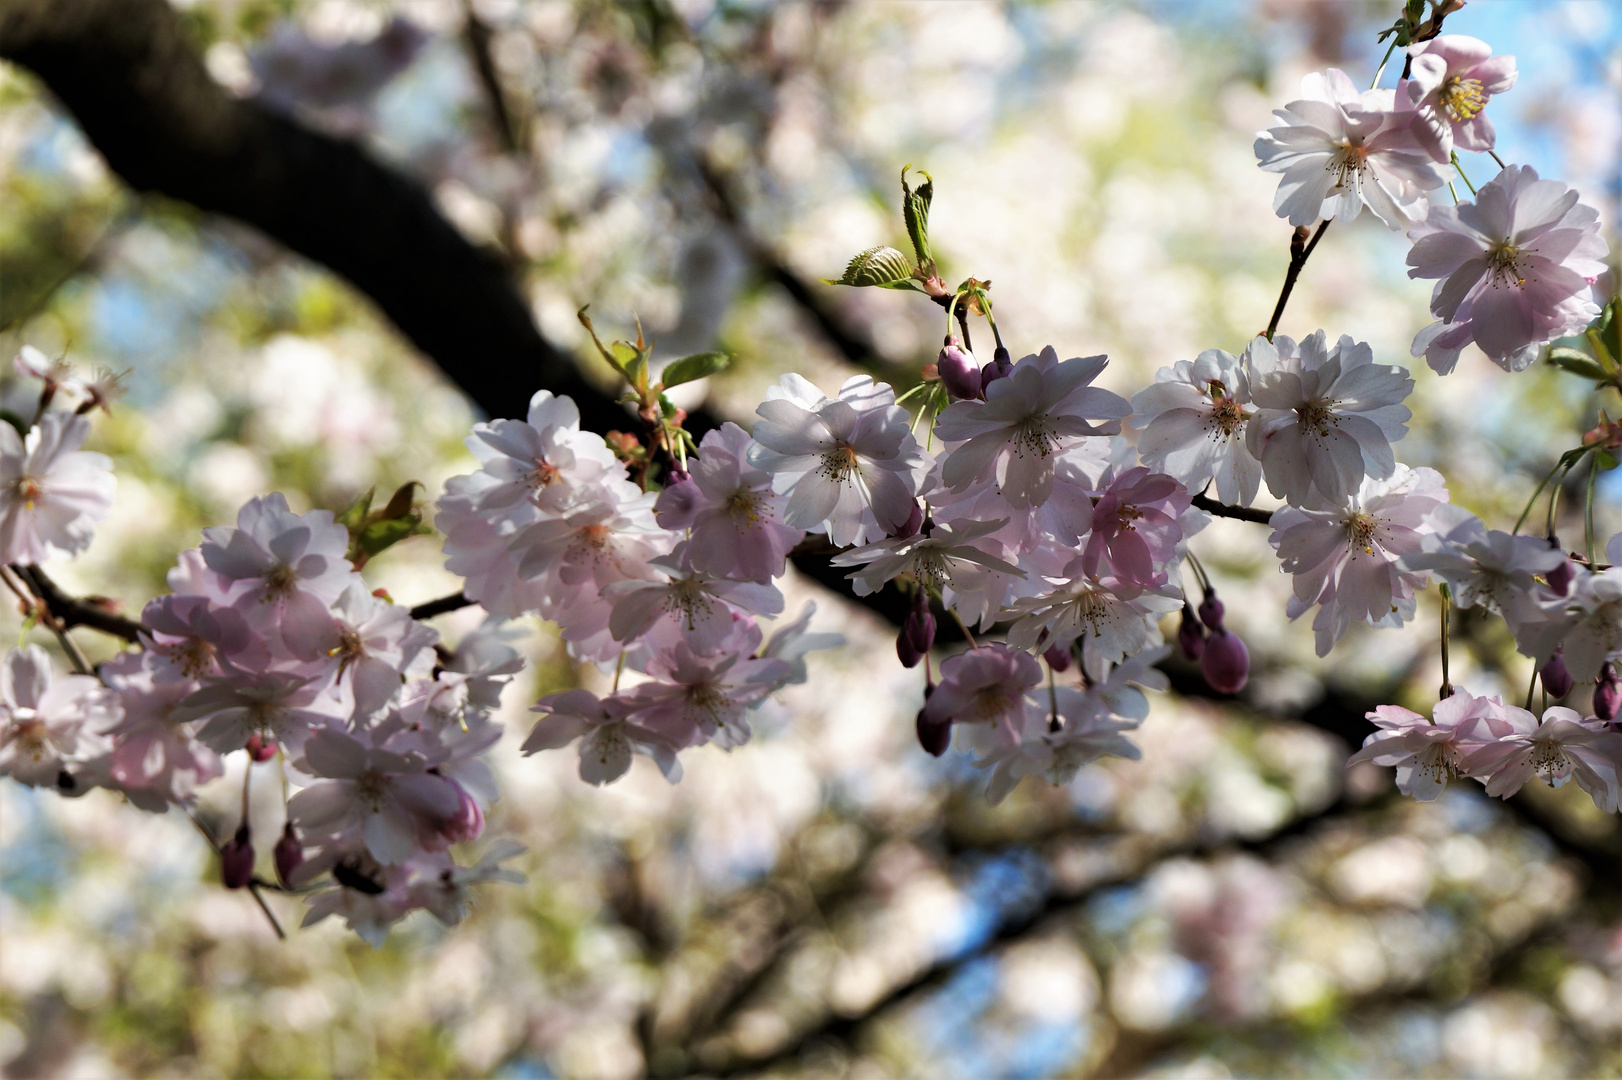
{"x":401,"y":503}
{"x":691,"y":368}
{"x":379,"y":536}
{"x":915,"y":210}
{"x":354,"y":515}
{"x":1577,"y":362}
{"x":1605,"y":460}
{"x":882,"y":266}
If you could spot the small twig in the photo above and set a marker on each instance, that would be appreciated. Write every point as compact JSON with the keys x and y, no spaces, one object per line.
{"x":1238,"y":513}
{"x":478,"y":34}
{"x":17,"y":582}
{"x":1299,"y":255}
{"x":253,"y":884}
{"x":454,"y":602}
{"x":71,"y":612}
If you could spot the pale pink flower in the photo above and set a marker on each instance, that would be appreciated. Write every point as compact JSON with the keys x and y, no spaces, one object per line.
{"x":1586,"y":623}
{"x":1135,"y":528}
{"x":49,"y":724}
{"x":1325,"y":417}
{"x":1014,"y":437}
{"x":735,"y":518}
{"x":1192,"y":420}
{"x":51,"y":492}
{"x":478,"y":550}
{"x":591,"y":547}
{"x":1340,"y":150}
{"x":1115,"y":619}
{"x":939,"y":556}
{"x":1429,"y":753}
{"x":277,"y":706}
{"x":540,"y":466}
{"x":155,"y":760}
{"x":1346,"y":558}
{"x":1451,"y":79}
{"x":446,"y":895}
{"x":702,"y":608}
{"x":607,"y":733}
{"x":187,"y":636}
{"x":1517,"y":268}
{"x":1562,"y":746}
{"x":848,"y":465}
{"x":1486,"y":567}
{"x":986,"y":685}
{"x":390,"y":799}
{"x":697,"y":699}
{"x":1054,"y":755}
{"x":280,"y":564}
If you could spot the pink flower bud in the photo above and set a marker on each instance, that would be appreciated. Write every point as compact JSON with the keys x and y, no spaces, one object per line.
{"x":917,"y":634}
{"x":236,"y":859}
{"x":289,"y":854}
{"x":1608,"y":694}
{"x":1556,"y":679}
{"x":1225,"y":662}
{"x":1058,"y":659}
{"x":469,"y":820}
{"x":959,"y":371}
{"x":260,"y":748}
{"x":1190,"y":634}
{"x":914,"y":522}
{"x":999,"y":366}
{"x":932,"y":736}
{"x":1559,"y":578}
{"x":1212,"y":611}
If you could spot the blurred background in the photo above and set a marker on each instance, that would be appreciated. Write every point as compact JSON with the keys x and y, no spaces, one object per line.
{"x":826,"y":901}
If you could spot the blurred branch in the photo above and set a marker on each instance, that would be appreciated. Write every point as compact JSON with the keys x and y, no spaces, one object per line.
{"x":71,"y":612}
{"x":478,"y":35}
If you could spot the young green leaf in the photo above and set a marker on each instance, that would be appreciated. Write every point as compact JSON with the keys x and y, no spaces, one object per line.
{"x":882,"y":266}
{"x":698,"y":366}
{"x":915,"y":210}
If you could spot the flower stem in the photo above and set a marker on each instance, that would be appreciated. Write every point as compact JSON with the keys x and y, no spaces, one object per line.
{"x":1532,"y":686}
{"x":1533,"y":500}
{"x":1460,"y":170}
{"x":1498,"y":159}
{"x":1379,"y":72}
{"x":1298,"y":258}
{"x":1588,"y":512}
{"x":961,"y":625}
{"x":1447,"y":613}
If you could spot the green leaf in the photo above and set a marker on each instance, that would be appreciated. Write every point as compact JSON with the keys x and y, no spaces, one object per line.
{"x":905,"y":284}
{"x":354,"y":515}
{"x":401,"y":503}
{"x":1605,"y":459}
{"x":915,"y":210}
{"x":880,"y":265}
{"x":1577,"y":362}
{"x":690,"y":368}
{"x":1571,"y":457}
{"x":379,"y":536}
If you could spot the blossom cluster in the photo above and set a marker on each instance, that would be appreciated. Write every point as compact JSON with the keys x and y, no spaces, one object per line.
{"x":1048,"y":519}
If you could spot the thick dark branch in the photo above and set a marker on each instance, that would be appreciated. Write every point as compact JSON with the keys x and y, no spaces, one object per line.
{"x":428,"y":609}
{"x":126,"y":72}
{"x":72,"y":612}
{"x":1238,"y":513}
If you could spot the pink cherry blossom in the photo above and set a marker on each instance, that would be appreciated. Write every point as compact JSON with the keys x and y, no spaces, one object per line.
{"x":695,"y":699}
{"x":986,"y":685}
{"x":186,"y":637}
{"x":390,"y":799}
{"x":51,"y":492}
{"x":155,"y":760}
{"x":1192,"y":420}
{"x":542,"y":465}
{"x":1135,"y":527}
{"x":49,"y":724}
{"x":1516,"y":265}
{"x":1428,"y":753}
{"x":1451,"y":79}
{"x":1560,"y":747}
{"x":608,"y":736}
{"x":735,"y":518}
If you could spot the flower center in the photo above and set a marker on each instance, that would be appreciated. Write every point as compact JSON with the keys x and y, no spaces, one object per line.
{"x":1439,"y":762}
{"x":1317,"y":415}
{"x":1226,"y":415}
{"x":1034,"y":437}
{"x":370,"y":787}
{"x":544,"y":474}
{"x":1351,"y":160}
{"x":689,"y":601}
{"x":839,"y":464}
{"x":195,"y":657}
{"x":713,"y":701}
{"x":1549,"y":761}
{"x":744,"y":507}
{"x":990,"y":702}
{"x":1501,"y":265}
{"x":280,"y":583}
{"x":1360,"y":530}
{"x":1461,"y":99}
{"x":29,"y":490}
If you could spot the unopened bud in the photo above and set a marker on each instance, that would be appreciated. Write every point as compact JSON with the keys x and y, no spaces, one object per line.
{"x":915,"y":521}
{"x":236,"y":859}
{"x":1556,"y":679}
{"x":289,"y":854}
{"x":468,"y":822}
{"x":999,"y":366}
{"x":1190,"y":634}
{"x":1608,"y":694}
{"x":958,"y":371}
{"x":1225,"y":662}
{"x":1058,"y":659}
{"x":260,"y":748}
{"x":1211,"y":611}
{"x":934,"y":736}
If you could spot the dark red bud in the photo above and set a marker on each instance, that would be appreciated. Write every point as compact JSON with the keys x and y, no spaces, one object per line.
{"x":915,"y":521}
{"x":1211,"y":611}
{"x":1225,"y":662}
{"x":958,"y":371}
{"x":1058,"y":659}
{"x":1190,"y":634}
{"x":1608,"y":694}
{"x":932,"y":736}
{"x":999,"y":367}
{"x":1556,"y":679}
{"x":1560,"y":577}
{"x":469,"y":820}
{"x":236,"y":859}
{"x":289,"y":854}
{"x":260,"y":748}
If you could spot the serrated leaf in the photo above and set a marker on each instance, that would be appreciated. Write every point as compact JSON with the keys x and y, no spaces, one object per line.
{"x":354,"y":515}
{"x":691,"y":368}
{"x":905,"y":285}
{"x":876,"y":266}
{"x":915,"y":211}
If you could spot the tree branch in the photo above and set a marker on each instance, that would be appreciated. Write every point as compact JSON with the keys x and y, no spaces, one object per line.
{"x":1238,"y":513}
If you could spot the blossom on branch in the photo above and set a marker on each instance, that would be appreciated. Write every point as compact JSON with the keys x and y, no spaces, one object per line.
{"x":1193,"y":421}
{"x":1451,"y":79}
{"x":51,"y":492}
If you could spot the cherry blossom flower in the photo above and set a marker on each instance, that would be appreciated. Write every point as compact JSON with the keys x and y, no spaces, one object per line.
{"x":705,"y":698}
{"x":792,"y":641}
{"x":1562,"y":746}
{"x":51,"y":492}
{"x":1346,"y":558}
{"x":986,"y":685}
{"x":848,"y":465}
{"x":1516,"y":268}
{"x":369,"y":640}
{"x":1485,"y":567}
{"x":735,"y":518}
{"x":446,"y":896}
{"x":702,"y":608}
{"x":281,"y":565}
{"x":155,"y":760}
{"x":1135,"y":527}
{"x":1451,"y":79}
{"x":1193,"y":421}
{"x":1055,"y":755}
{"x":542,"y":465}
{"x":49,"y":724}
{"x":1326,"y":417}
{"x":478,"y":550}
{"x":275,"y":705}
{"x":1027,"y":419}
{"x":1341,"y":150}
{"x":1586,"y":624}
{"x":389,"y":798}
{"x":607,"y":737}
{"x":186,"y":636}
{"x":1428,"y":753}
{"x":591,"y":547}
{"x":1115,"y":620}
{"x":940,"y":556}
